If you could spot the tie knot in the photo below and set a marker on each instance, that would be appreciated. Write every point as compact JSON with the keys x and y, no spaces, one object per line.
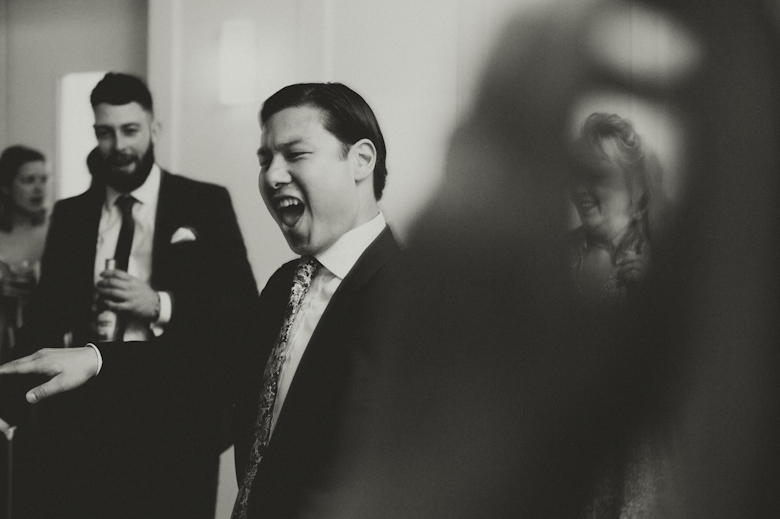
{"x":125,"y":204}
{"x":305,"y":270}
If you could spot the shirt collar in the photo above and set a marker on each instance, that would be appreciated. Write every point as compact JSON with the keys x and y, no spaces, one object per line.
{"x":146,"y":194}
{"x":340,"y":257}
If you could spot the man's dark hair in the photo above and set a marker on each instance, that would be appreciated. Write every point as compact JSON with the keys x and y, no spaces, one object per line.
{"x":345,"y":114}
{"x":119,"y":89}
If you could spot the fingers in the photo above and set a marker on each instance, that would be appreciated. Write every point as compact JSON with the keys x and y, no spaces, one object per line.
{"x":119,"y":305}
{"x":49,"y":389}
{"x":140,"y":305}
{"x":117,"y":290}
{"x":25,"y":365}
{"x":113,"y":283}
{"x":113,"y":294}
{"x":35,"y":363}
{"x":117,"y":299}
{"x":69,"y":369}
{"x":115,"y":286}
{"x":124,"y":289}
{"x":119,"y":275}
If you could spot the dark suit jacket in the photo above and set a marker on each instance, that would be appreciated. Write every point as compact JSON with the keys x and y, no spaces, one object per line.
{"x":141,"y":439}
{"x":300,"y":457}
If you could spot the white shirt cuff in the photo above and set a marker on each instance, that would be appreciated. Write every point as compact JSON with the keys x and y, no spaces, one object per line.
{"x":166,"y":310}
{"x":99,"y":357}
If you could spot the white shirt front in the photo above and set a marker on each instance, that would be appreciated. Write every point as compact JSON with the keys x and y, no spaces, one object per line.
{"x":335,"y":264}
{"x":140,"y":264}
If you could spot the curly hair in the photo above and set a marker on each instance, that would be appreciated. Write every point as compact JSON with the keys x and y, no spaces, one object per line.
{"x":608,"y":140}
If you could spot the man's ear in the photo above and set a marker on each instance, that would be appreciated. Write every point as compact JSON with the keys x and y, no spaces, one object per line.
{"x":363,"y":153}
{"x":155,"y":130}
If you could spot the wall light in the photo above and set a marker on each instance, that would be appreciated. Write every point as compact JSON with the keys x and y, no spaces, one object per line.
{"x":237,"y":62}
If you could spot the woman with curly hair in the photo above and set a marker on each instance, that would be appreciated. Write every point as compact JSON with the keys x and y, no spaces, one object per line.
{"x":616,"y":190}
{"x":616,"y":186}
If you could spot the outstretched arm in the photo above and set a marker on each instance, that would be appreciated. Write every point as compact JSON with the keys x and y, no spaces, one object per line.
{"x":67,"y":369}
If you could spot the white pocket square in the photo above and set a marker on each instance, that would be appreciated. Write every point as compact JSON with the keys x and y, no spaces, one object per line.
{"x":183,"y":234}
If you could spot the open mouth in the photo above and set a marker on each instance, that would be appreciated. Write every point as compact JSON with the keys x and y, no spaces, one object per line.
{"x":586,"y":204}
{"x":289,"y":210}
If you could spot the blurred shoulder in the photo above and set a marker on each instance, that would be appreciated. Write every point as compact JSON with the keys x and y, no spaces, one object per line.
{"x":190,"y":185}
{"x":77,"y":204}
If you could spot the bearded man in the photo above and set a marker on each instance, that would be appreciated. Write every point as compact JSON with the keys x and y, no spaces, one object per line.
{"x":144,"y":443}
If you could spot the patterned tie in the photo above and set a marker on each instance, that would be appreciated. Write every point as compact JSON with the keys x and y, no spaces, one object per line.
{"x":273,"y":368}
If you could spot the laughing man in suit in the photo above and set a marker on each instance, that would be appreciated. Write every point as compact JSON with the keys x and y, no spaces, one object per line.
{"x":143,"y":442}
{"x":322,"y":159}
{"x":322,"y":171}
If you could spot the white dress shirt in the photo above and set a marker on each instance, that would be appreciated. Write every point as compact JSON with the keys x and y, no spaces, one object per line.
{"x":335,"y":264}
{"x":140,"y":264}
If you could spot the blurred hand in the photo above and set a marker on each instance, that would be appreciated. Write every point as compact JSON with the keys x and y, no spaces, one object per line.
{"x":67,"y":369}
{"x":5,"y":427}
{"x":18,"y":288}
{"x":127,"y":294}
{"x":19,"y":280}
{"x":632,"y":269}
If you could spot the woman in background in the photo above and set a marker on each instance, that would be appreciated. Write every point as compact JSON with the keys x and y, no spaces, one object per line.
{"x":615,"y":189}
{"x":616,"y":182}
{"x":23,"y":226}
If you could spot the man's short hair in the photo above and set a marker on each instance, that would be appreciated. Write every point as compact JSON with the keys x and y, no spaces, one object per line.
{"x":119,"y":89}
{"x":346,"y":115}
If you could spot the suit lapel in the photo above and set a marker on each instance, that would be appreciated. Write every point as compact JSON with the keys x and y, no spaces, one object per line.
{"x":318,"y":356}
{"x":169,"y":211}
{"x":381,"y":250}
{"x":85,"y":242}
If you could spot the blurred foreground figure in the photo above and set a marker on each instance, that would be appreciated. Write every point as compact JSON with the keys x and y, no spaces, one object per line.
{"x":617,"y":193}
{"x":498,"y":405}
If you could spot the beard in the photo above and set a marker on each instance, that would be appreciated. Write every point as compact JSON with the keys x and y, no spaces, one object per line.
{"x":105,"y":169}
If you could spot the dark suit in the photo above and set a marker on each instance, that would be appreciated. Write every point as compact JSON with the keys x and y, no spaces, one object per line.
{"x":298,"y":463}
{"x":142,"y":438}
